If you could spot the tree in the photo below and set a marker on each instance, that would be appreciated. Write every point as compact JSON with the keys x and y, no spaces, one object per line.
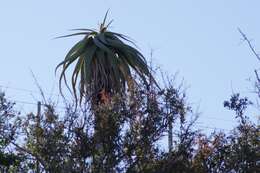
{"x":8,"y":132}
{"x":245,"y":144}
{"x":104,"y":64}
{"x":118,"y":132}
{"x":105,"y":70}
{"x":237,"y":151}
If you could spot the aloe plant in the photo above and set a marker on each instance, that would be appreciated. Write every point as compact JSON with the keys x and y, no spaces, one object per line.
{"x":104,"y":62}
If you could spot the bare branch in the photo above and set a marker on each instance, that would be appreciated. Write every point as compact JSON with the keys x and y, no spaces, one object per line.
{"x":257,"y":76}
{"x":30,"y":153}
{"x":249,"y":44}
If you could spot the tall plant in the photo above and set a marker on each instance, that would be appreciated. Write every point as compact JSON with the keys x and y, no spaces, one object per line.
{"x":104,"y":64}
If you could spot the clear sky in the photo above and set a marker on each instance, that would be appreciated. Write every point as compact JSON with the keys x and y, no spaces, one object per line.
{"x":199,"y":39}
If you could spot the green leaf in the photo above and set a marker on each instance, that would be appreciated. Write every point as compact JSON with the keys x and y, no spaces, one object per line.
{"x":102,"y":38}
{"x":105,"y":18}
{"x":79,"y":48}
{"x":83,"y":29}
{"x":88,"y":58}
{"x":103,"y":47}
{"x":124,"y":37}
{"x":75,"y":76}
{"x":75,"y":34}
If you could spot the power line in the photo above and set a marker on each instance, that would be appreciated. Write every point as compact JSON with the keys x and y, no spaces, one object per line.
{"x":213,"y":128}
{"x":31,"y":103}
{"x":214,"y":118}
{"x":27,"y":90}
{"x":64,"y":108}
{"x":54,"y":94}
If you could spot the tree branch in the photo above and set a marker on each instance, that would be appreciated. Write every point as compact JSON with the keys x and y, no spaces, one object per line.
{"x":30,"y":153}
{"x":249,"y":44}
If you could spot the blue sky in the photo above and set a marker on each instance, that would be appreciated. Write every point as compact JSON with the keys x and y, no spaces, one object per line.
{"x":198,"y":39}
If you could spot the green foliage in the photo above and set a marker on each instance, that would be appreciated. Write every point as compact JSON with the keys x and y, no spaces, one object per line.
{"x":46,"y":140}
{"x":124,"y":136}
{"x":7,"y":134}
{"x":103,"y":62}
{"x":237,"y":151}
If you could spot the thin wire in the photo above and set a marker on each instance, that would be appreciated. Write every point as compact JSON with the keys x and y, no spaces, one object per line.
{"x":220,"y":119}
{"x":32,"y":91}
{"x":31,"y":103}
{"x":64,"y":108}
{"x":27,"y":90}
{"x":213,"y":128}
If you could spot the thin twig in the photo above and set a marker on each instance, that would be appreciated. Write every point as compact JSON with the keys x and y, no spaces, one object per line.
{"x":30,"y":153}
{"x":249,"y":43}
{"x":257,"y":76}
